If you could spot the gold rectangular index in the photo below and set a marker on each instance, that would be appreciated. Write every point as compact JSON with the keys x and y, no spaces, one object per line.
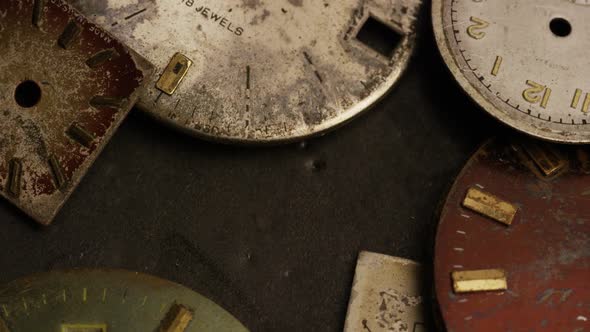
{"x":177,"y":319}
{"x":479,"y":281}
{"x":174,"y":74}
{"x":490,"y":206}
{"x":546,"y":159}
{"x":497,"y":65}
{"x":83,"y":328}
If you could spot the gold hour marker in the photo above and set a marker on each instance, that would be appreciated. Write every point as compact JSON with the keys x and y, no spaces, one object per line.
{"x":546,"y":159}
{"x":479,"y":281}
{"x":58,"y":174}
{"x":102,"y":57}
{"x":83,"y":328}
{"x":474,"y":31}
{"x":545,"y":99}
{"x":109,"y":102}
{"x":174,"y":74}
{"x":497,"y":65}
{"x":578,"y":97}
{"x":38,"y":7}
{"x":69,"y":35}
{"x":80,"y":135}
{"x":490,"y":206}
{"x":533,"y":94}
{"x":177,"y":319}
{"x":15,"y":177}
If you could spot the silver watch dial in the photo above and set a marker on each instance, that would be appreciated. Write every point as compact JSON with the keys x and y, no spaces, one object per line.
{"x":525,"y":62}
{"x":263,"y":71}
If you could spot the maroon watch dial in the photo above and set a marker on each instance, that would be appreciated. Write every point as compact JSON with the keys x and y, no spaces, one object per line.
{"x":542,"y":253}
{"x":65,"y":86}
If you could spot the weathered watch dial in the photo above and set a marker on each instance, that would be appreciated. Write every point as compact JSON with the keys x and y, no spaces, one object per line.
{"x":513,"y":244}
{"x":525,"y":62}
{"x":260,"y":72}
{"x":65,"y":86}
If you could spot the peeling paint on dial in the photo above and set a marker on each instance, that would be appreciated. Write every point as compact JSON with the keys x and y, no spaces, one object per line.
{"x":47,"y":146}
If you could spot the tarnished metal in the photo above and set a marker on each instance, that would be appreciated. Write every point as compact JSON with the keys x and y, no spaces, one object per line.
{"x":525,"y":62}
{"x":546,"y":159}
{"x":113,"y":301}
{"x":489,"y":206}
{"x":387,"y":295}
{"x":178,"y":319}
{"x":544,"y":254}
{"x":265,"y":71}
{"x":65,"y":86}
{"x":174,"y":74}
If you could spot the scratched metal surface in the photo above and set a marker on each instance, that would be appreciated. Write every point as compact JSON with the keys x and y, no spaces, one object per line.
{"x":263,"y":71}
{"x":545,"y":251}
{"x":270,"y":234}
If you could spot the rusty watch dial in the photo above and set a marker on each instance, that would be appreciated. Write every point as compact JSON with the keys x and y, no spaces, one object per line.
{"x":513,"y":244}
{"x":65,"y":86}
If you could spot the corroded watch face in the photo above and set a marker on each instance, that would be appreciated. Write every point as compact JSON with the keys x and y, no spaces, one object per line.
{"x":65,"y":86}
{"x":525,"y":62}
{"x":113,"y":301}
{"x":263,"y":72}
{"x":512,"y":247}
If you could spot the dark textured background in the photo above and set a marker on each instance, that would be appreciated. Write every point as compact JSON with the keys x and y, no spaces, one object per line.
{"x":271,"y":234}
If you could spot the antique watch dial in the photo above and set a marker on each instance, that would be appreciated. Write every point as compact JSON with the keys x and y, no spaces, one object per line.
{"x":65,"y":86}
{"x":113,"y":301}
{"x":512,"y":248}
{"x":525,"y":62}
{"x":260,"y":72}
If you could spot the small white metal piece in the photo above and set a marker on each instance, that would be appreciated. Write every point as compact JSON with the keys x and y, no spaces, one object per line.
{"x":386,"y":295}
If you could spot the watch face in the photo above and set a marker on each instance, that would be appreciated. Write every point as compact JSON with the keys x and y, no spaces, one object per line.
{"x":65,"y":86}
{"x":512,"y":248}
{"x":113,"y":301}
{"x":524,"y":62}
{"x":263,"y":72}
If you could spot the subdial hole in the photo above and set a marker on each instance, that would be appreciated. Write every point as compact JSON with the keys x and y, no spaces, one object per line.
{"x":560,"y":27}
{"x":27,"y":94}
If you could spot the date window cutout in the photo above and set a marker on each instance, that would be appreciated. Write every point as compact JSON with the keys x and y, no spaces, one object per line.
{"x":174,"y":73}
{"x":83,"y":328}
{"x":379,"y":37}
